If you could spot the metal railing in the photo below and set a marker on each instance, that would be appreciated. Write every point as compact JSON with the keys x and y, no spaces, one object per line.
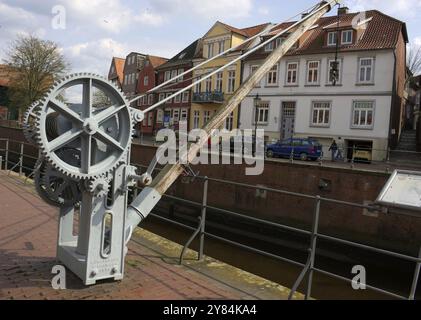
{"x":309,"y":268}
{"x":214,"y":96}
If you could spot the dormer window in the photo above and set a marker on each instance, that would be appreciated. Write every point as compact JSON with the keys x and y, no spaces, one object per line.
{"x":332,"y":38}
{"x":347,"y":37}
{"x":269,"y":47}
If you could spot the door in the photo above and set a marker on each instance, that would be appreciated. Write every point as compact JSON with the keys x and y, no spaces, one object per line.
{"x":288,"y":120}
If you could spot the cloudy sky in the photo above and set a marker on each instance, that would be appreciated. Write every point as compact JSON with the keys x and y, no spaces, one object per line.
{"x":96,"y":30}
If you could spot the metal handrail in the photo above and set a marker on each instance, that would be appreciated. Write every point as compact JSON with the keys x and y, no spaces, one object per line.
{"x":308,"y":268}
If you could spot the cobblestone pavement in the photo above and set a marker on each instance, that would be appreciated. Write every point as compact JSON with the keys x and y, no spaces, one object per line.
{"x":28,"y":233}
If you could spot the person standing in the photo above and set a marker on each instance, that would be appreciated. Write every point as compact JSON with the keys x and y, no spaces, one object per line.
{"x":340,"y":152}
{"x":333,"y":149}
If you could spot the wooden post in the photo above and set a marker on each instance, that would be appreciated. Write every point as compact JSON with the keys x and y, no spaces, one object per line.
{"x":171,"y":172}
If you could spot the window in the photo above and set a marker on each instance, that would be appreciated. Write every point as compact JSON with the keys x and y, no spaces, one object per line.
{"x":167,"y":75}
{"x":150,"y":119}
{"x":231,"y":81}
{"x":253,"y":69}
{"x":332,"y":38}
{"x":262,"y":113}
{"x":218,"y":83}
{"x":272,"y":76}
{"x":363,"y":114}
{"x":269,"y":47}
{"x":180,"y":71}
{"x":313,"y":72}
{"x":183,"y":114}
{"x":331,"y":64}
{"x":196,"y":119}
{"x":321,"y":114}
{"x":229,"y":122}
{"x":159,"y":116}
{"x":206,"y":117}
{"x":186,"y":96}
{"x":161,"y":96}
{"x":168,"y":95}
{"x":176,"y":115}
{"x":208,"y":84}
{"x":125,"y":79}
{"x":177,"y":98}
{"x":366,"y":68}
{"x":279,"y":41}
{"x":210,"y":50}
{"x":173,"y":74}
{"x":292,"y":73}
{"x":221,"y":46}
{"x":150,"y":99}
{"x":146,"y":81}
{"x":347,"y":37}
{"x":198,"y":86}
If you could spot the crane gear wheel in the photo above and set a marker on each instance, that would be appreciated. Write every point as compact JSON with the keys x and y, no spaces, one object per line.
{"x":29,"y":119}
{"x":102,"y":135}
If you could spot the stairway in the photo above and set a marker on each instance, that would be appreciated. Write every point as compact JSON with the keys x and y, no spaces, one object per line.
{"x":408,"y":141}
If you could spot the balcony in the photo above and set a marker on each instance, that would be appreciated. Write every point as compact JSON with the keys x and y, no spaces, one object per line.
{"x":208,"y":97}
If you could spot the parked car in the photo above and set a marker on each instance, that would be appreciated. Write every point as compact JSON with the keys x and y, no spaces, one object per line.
{"x":302,"y":149}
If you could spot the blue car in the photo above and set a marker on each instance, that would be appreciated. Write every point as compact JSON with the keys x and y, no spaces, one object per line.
{"x":302,"y":149}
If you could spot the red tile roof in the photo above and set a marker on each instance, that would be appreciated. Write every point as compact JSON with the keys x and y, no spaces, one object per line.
{"x":382,"y":32}
{"x":119,"y":67}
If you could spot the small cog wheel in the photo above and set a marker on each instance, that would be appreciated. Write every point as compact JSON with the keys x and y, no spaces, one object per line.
{"x":101,"y":134}
{"x":99,"y":187}
{"x":29,"y":122}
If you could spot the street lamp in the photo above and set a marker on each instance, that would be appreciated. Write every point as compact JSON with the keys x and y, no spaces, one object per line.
{"x":257,"y":102}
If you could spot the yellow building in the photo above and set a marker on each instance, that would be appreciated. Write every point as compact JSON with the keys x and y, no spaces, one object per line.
{"x":209,"y":96}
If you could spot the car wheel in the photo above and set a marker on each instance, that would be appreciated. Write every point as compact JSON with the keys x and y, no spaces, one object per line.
{"x":303,"y":157}
{"x":269,"y":154}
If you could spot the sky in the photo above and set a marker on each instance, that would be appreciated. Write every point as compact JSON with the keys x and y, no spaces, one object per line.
{"x":90,"y":33}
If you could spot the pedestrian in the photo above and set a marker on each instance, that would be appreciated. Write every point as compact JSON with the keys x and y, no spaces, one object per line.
{"x":333,"y":148}
{"x":340,"y":153}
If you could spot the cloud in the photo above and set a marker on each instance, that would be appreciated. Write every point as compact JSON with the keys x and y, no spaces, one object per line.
{"x":400,"y":8}
{"x":263,"y":11}
{"x":205,"y":9}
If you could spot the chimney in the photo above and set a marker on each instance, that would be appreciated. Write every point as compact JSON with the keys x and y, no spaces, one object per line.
{"x":343,"y":10}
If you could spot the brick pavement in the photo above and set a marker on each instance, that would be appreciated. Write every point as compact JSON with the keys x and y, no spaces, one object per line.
{"x":28,"y":232}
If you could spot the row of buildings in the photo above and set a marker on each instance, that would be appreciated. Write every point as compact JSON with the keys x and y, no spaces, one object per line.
{"x":365,"y":107}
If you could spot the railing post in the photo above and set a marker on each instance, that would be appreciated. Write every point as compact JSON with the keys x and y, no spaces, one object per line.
{"x":1,"y":163}
{"x":314,"y":235}
{"x":7,"y":155}
{"x":415,"y":279}
{"x":353,"y":157}
{"x":21,"y":160}
{"x":203,"y":218}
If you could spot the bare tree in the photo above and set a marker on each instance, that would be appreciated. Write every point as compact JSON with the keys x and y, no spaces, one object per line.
{"x":37,"y":64}
{"x":414,"y":59}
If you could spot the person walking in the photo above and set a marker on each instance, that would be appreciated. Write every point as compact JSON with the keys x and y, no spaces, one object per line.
{"x":340,"y":153}
{"x":333,"y":148}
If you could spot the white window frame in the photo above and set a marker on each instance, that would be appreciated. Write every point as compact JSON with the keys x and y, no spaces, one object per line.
{"x":168,"y":95}
{"x":180,"y":71}
{"x":271,"y":74}
{"x":231,"y":81}
{"x":206,"y":117}
{"x":196,"y":119}
{"x":321,"y":108}
{"x":360,"y":67}
{"x":313,"y":83}
{"x":269,"y":46}
{"x":198,"y":86}
{"x":159,"y":116}
{"x":177,"y":98}
{"x":186,"y":96}
{"x":332,"y":38}
{"x":339,"y":82}
{"x":262,"y":113}
{"x":221,"y":48}
{"x":208,"y":84}
{"x":297,"y":70}
{"x":146,"y":81}
{"x":161,"y":96}
{"x":176,"y":115}
{"x":167,"y":75}
{"x":150,"y":99}
{"x":173,"y":74}
{"x":183,"y":114}
{"x":253,"y":69}
{"x":219,"y":81}
{"x":344,"y":33}
{"x":372,"y":109}
{"x":211,"y":49}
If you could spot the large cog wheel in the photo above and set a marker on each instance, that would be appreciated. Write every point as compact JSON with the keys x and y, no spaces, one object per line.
{"x":102,"y":135}
{"x":29,"y":122}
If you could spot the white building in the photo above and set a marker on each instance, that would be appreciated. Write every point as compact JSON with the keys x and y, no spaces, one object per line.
{"x":363,"y":108}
